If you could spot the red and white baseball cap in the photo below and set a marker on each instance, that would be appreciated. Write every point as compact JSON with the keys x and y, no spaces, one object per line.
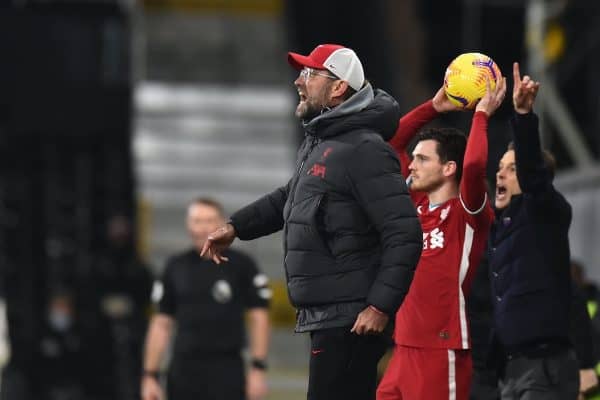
{"x":339,"y":60}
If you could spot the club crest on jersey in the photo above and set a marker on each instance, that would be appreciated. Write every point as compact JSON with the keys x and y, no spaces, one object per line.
{"x":221,"y":291}
{"x":433,"y":240}
{"x":444,"y":213}
{"x":318,"y":170}
{"x":326,"y":153}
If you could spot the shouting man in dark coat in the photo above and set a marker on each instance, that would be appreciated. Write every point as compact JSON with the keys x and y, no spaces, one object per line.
{"x":351,"y":235}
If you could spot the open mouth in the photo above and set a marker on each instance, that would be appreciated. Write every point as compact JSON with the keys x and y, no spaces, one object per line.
{"x":302,"y":96}
{"x":500,"y":191}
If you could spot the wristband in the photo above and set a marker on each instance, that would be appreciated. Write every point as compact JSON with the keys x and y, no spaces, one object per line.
{"x":258,"y":364}
{"x":151,"y":374}
{"x":378,"y":311}
{"x":230,"y":222}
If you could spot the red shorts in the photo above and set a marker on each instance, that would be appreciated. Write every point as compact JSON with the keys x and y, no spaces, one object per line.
{"x":417,"y":374}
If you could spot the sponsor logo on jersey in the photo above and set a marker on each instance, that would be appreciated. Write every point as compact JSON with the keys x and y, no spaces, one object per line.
{"x":433,"y":240}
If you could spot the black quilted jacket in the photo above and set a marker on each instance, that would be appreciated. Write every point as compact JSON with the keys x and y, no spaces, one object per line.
{"x":351,"y":234}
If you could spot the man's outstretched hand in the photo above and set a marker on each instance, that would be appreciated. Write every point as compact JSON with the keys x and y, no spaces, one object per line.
{"x":217,"y":242}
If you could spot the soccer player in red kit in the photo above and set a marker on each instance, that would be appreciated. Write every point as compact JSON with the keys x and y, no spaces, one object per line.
{"x":431,"y":358}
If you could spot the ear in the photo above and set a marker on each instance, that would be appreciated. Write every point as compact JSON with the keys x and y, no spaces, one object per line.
{"x":338,"y":88}
{"x":449,"y":169}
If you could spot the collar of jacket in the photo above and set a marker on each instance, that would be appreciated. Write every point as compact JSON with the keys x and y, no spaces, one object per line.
{"x":366,"y":109}
{"x":514,"y":202}
{"x":356,"y":103}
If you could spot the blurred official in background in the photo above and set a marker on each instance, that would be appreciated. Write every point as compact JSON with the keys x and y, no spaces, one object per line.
{"x":206,"y":303}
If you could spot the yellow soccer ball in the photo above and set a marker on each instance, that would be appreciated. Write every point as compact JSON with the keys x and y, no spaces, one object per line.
{"x":465,"y":79}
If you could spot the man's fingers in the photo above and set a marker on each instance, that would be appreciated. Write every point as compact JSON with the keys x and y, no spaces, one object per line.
{"x":535,"y":85}
{"x":516,"y":74}
{"x":501,"y":89}
{"x":498,"y":89}
{"x":488,"y":86}
{"x":206,"y":246}
{"x":354,"y":326}
{"x":519,"y":91}
{"x":529,"y":85}
{"x":221,"y":258}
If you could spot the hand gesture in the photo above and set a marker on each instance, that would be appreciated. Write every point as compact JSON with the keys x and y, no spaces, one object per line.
{"x":524,"y":91}
{"x":370,"y":321}
{"x":493,"y":98}
{"x":151,"y":389}
{"x":217,"y":242}
{"x":256,"y":385}
{"x":441,"y":103}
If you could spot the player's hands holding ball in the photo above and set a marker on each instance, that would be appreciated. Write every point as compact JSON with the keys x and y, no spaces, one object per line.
{"x":493,"y":98}
{"x":442,"y":104}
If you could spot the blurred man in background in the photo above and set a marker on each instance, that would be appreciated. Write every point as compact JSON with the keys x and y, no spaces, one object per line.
{"x":60,"y":360}
{"x":206,"y":303}
{"x":115,"y":305}
{"x":529,"y":265}
{"x":57,"y":369}
{"x":351,"y":235}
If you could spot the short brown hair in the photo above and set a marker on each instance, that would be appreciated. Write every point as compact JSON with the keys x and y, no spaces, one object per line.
{"x":210,"y":202}
{"x":549,"y":159}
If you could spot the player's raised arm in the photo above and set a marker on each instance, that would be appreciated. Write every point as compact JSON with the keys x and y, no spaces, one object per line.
{"x":414,"y":120}
{"x":473,"y":190}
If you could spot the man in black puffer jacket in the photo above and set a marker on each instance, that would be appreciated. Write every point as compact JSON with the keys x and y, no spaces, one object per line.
{"x":351,"y":235}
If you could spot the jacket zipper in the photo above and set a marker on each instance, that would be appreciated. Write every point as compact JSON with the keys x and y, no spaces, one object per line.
{"x":314,"y":142}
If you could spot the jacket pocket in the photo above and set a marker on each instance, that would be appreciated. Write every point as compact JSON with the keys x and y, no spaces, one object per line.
{"x":306,"y":228}
{"x":305,"y":211}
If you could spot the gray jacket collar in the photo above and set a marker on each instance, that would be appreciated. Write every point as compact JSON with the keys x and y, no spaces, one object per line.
{"x":356,"y":103}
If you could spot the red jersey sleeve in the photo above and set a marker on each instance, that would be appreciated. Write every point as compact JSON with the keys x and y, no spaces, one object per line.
{"x":407,"y":129}
{"x":473,"y":191}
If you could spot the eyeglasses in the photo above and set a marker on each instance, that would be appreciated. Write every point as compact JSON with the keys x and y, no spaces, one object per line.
{"x":307,"y":72}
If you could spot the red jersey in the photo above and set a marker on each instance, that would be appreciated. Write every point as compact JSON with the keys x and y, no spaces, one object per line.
{"x":433,"y":314}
